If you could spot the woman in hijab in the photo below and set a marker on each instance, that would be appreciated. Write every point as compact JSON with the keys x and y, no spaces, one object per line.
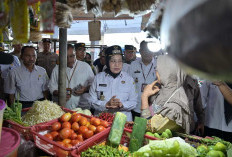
{"x":113,"y":90}
{"x":170,"y":100}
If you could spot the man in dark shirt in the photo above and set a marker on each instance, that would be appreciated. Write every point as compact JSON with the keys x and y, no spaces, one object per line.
{"x":100,"y":62}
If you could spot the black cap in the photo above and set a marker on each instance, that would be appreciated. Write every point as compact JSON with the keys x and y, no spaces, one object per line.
{"x":78,"y":45}
{"x":102,"y":53}
{"x":113,"y":50}
{"x":46,"y":40}
{"x":129,"y":47}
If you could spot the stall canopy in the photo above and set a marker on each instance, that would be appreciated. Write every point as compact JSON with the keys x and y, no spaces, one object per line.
{"x":80,"y":27}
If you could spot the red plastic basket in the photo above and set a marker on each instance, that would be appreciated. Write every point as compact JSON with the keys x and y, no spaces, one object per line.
{"x":125,"y":140}
{"x":53,"y":148}
{"x":26,"y":131}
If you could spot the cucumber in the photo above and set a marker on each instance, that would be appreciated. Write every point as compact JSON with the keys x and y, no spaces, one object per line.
{"x":137,"y":136}
{"x":117,"y":129}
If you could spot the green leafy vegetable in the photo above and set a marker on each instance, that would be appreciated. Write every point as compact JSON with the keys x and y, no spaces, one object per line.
{"x":104,"y":151}
{"x":175,"y":147}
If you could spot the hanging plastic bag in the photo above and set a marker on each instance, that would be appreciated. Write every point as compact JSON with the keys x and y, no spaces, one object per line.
{"x":26,"y":148}
{"x":19,"y":20}
{"x":4,"y":13}
{"x":47,"y":10}
{"x":63,"y":15}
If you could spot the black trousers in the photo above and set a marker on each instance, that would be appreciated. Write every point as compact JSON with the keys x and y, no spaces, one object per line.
{"x":135,"y":114}
{"x":227,"y":136}
{"x":26,"y":104}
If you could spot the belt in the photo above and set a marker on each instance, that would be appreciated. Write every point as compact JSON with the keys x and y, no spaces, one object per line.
{"x":26,"y":104}
{"x":29,"y":102}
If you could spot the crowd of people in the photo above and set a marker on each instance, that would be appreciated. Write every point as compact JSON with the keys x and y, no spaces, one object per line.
{"x":118,"y":81}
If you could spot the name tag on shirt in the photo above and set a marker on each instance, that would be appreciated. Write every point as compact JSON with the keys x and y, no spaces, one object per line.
{"x":137,"y":71}
{"x":102,"y":85}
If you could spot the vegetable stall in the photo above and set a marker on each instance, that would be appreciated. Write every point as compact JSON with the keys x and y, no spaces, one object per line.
{"x":66,"y":132}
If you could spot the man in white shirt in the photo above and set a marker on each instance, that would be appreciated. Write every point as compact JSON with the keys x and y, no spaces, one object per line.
{"x":129,"y":53}
{"x":7,"y":63}
{"x":143,"y":72}
{"x":28,"y":81}
{"x":79,"y":77}
{"x":216,"y":123}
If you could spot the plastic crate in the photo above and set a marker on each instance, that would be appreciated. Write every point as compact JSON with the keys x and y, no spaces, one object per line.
{"x":125,"y":140}
{"x":26,"y":130}
{"x":52,"y":147}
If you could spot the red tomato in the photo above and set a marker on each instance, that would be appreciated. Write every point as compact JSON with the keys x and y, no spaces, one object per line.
{"x":72,"y":131}
{"x":88,"y":123}
{"x":66,"y":125}
{"x":49,"y":136}
{"x":54,"y":134}
{"x":73,"y":136}
{"x":65,"y":117}
{"x":65,"y":133}
{"x":104,"y":123}
{"x":66,"y":141}
{"x":83,"y":121}
{"x":61,"y":153}
{"x":60,"y":143}
{"x":67,"y":145}
{"x":92,"y":127}
{"x":92,"y":119}
{"x":74,"y":142}
{"x":80,"y":138}
{"x":100,"y":128}
{"x":96,"y":122}
{"x":59,"y":138}
{"x":75,"y":126}
{"x":88,"y":134}
{"x":74,"y":113}
{"x":75,"y":117}
{"x":56,"y":126}
{"x":82,"y":130}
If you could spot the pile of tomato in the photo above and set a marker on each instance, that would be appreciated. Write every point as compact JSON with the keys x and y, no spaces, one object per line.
{"x":71,"y":129}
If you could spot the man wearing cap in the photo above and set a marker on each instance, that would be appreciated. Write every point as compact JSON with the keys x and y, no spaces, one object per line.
{"x":100,"y":62}
{"x":81,"y":54}
{"x":143,"y":72}
{"x":7,"y":63}
{"x":46,"y":59}
{"x":129,"y":53}
{"x":28,"y":82}
{"x":79,"y":77}
{"x":80,"y":51}
{"x":113,"y":90}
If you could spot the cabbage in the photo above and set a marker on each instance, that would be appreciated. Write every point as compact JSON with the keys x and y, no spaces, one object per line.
{"x":87,"y":112}
{"x":76,"y":109}
{"x":175,"y":147}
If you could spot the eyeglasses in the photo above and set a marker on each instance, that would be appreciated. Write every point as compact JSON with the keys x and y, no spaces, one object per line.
{"x":116,"y":61}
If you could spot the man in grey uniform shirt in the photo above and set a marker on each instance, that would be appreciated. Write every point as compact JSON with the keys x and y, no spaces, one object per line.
{"x":28,"y":81}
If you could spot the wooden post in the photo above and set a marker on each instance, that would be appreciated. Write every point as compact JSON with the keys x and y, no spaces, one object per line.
{"x":62,"y":66}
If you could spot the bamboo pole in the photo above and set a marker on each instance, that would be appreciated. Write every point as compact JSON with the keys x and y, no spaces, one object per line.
{"x":62,"y":66}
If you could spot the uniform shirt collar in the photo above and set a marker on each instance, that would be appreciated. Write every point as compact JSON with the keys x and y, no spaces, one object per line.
{"x":73,"y":65}
{"x":120,"y":75}
{"x":152,"y":61}
{"x":25,"y":68}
